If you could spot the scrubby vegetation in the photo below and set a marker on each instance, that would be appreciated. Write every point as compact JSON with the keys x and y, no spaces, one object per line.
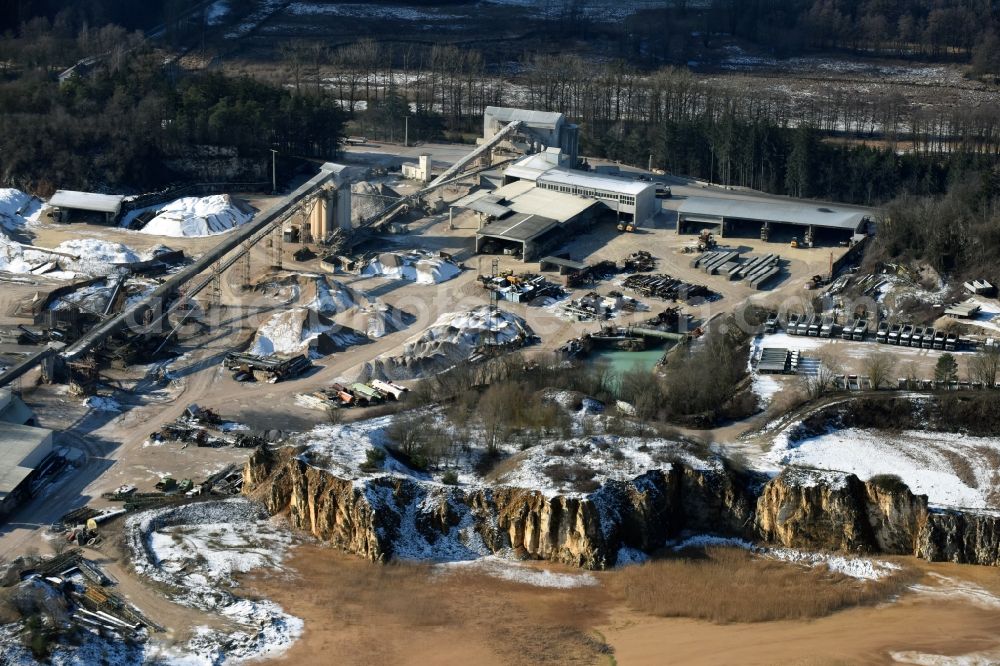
{"x":732,"y":585}
{"x":972,"y":412}
{"x":958,"y":233}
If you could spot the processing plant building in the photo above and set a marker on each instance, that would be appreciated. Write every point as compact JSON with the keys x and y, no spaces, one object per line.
{"x":539,"y":130}
{"x":542,"y":202}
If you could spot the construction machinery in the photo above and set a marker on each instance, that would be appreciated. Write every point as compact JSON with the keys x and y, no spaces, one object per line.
{"x":706,"y":241}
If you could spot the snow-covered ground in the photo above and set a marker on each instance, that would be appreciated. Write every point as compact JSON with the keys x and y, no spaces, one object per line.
{"x":988,"y":318}
{"x":194,"y":216}
{"x":370,"y":11}
{"x":516,"y":572}
{"x":216,"y":12}
{"x":419,"y":267}
{"x":197,"y":549}
{"x":17,"y":209}
{"x":951,"y":469}
{"x":556,"y":464}
{"x":264,"y":10}
{"x":102,"y":404}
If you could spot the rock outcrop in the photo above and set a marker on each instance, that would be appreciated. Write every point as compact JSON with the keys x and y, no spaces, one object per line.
{"x":383,"y":517}
{"x":964,"y":538}
{"x":836,"y":511}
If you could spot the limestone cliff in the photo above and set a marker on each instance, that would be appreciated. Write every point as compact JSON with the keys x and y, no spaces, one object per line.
{"x":381,"y":517}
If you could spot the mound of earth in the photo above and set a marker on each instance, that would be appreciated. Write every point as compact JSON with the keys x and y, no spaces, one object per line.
{"x":420,"y":267}
{"x":302,"y":330}
{"x":194,"y":216}
{"x":332,"y":298}
{"x":450,"y":340}
{"x":366,"y":201}
{"x":312,"y":290}
{"x":88,"y":256}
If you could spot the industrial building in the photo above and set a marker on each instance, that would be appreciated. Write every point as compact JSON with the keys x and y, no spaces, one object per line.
{"x":807,"y":223}
{"x":524,"y":220}
{"x":70,"y":206}
{"x":632,"y":200}
{"x":23,"y":450}
{"x":539,"y":130}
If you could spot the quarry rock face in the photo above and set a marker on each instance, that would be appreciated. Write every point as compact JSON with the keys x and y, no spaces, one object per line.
{"x":963,"y":538}
{"x":836,"y":511}
{"x":382,"y":517}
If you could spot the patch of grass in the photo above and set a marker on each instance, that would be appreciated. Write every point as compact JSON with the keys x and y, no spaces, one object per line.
{"x":961,"y":466}
{"x":728,"y":585}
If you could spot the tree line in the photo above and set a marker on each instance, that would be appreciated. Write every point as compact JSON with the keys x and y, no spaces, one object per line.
{"x":119,"y":125}
{"x":960,"y":29}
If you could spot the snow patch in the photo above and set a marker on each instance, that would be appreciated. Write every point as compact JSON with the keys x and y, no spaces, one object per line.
{"x":516,"y":572}
{"x":17,"y":209}
{"x":102,"y":404}
{"x":853,"y":567}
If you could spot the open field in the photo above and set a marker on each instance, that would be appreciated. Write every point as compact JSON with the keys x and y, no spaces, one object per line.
{"x":410,"y":615}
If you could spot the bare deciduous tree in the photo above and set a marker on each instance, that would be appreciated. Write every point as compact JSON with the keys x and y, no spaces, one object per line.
{"x":984,"y":367}
{"x":879,"y":367}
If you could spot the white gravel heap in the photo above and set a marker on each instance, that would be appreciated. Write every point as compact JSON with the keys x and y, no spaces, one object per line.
{"x":194,"y":216}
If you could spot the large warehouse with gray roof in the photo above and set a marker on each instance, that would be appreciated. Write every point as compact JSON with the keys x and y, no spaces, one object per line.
{"x":773,"y":220}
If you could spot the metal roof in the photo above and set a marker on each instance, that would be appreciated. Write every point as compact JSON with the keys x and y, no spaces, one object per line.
{"x":529,"y":168}
{"x":489,"y":206}
{"x":535,"y":118}
{"x":790,"y":212}
{"x":21,"y":448}
{"x":561,"y":176}
{"x":565,"y":263}
{"x":519,"y":227}
{"x":773,"y":359}
{"x":558,"y":205}
{"x":101,"y":203}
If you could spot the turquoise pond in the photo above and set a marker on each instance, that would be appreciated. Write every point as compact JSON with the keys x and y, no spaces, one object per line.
{"x":623,"y":361}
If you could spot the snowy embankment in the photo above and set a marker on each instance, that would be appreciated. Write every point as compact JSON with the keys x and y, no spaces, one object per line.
{"x":952,"y":469}
{"x":419,"y":267}
{"x":193,"y":216}
{"x":197,"y":549}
